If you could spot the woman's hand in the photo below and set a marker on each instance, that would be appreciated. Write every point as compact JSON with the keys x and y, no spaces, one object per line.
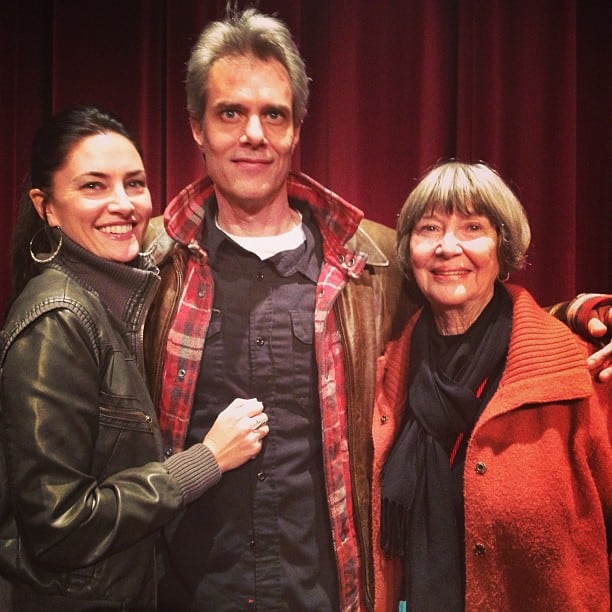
{"x":237,"y":433}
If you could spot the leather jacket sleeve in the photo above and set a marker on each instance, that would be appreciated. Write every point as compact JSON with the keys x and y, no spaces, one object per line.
{"x":70,"y":436}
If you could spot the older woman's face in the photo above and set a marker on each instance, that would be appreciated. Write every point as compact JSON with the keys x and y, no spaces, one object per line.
{"x":100,"y":197}
{"x":454,"y":262}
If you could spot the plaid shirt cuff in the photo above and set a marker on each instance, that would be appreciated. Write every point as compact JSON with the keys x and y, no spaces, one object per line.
{"x":577,"y":313}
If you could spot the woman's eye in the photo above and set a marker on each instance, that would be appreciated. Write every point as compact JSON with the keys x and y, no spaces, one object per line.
{"x":93,"y":185}
{"x":136,"y":184}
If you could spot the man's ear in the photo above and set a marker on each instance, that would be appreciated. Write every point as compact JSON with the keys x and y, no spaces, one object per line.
{"x":296,"y":137}
{"x":42,"y":206}
{"x":196,"y":130}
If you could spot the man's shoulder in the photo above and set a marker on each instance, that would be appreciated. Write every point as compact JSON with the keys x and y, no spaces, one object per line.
{"x":375,"y":239}
{"x":157,"y":243}
{"x":382,"y":234}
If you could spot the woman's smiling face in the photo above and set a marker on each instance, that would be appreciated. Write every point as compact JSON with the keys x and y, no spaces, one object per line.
{"x":100,"y":197}
{"x":455,"y":264}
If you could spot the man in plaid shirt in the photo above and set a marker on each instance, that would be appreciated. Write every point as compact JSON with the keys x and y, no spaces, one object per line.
{"x":273,"y":288}
{"x":277,"y":289}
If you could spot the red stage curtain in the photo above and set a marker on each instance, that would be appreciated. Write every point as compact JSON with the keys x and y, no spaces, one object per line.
{"x":396,"y":86}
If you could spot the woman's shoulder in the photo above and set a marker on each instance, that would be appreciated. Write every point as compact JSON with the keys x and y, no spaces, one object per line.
{"x":51,"y":287}
{"x":543,"y":347}
{"x":51,"y":290}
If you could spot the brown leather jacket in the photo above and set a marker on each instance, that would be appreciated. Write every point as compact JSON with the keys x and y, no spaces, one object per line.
{"x":370,"y":310}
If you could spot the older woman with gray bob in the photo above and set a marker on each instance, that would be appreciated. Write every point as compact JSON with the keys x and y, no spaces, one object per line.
{"x":492,"y":440}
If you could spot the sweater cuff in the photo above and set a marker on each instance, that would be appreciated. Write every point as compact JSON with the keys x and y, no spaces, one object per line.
{"x":196,"y":470}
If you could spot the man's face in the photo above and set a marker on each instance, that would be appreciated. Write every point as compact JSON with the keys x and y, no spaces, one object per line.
{"x":247,"y":134}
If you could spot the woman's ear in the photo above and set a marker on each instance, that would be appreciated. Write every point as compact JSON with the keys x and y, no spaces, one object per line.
{"x":38,"y":198}
{"x":41,"y":204}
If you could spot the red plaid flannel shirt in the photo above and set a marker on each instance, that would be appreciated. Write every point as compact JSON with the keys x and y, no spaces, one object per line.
{"x":337,"y":221}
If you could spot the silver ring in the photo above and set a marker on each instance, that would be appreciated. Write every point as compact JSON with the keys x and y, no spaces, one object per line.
{"x":259,"y":423}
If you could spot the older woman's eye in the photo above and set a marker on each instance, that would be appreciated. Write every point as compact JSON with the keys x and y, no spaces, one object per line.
{"x":427,"y":228}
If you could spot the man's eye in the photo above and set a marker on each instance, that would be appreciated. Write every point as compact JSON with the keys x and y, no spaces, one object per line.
{"x":229,"y":113}
{"x":275,"y":115}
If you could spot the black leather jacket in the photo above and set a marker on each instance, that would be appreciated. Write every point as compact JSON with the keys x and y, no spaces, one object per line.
{"x":82,"y":487}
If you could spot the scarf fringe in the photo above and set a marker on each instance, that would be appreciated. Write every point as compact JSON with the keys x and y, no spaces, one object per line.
{"x":393,"y":527}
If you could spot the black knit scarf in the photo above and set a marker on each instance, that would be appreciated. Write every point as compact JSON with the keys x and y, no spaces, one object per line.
{"x":422,"y":495}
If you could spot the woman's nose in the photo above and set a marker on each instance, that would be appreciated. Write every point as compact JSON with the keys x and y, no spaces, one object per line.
{"x":121,"y":201}
{"x":449,"y":244}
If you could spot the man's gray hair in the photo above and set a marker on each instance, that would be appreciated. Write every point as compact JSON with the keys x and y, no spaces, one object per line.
{"x":248,"y":32}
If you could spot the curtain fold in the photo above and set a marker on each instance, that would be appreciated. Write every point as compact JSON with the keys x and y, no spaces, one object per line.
{"x":396,"y":86}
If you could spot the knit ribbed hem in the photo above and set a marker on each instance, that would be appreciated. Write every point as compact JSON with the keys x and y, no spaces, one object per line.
{"x":196,"y":470}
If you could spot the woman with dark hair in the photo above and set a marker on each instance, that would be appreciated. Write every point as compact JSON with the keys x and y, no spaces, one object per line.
{"x":84,"y":486}
{"x":492,"y":449}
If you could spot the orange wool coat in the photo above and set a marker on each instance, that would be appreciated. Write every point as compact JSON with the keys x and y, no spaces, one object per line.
{"x":538,"y":474}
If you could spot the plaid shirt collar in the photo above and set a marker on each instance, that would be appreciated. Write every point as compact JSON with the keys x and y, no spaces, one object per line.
{"x":336,"y":218}
{"x":184,"y":217}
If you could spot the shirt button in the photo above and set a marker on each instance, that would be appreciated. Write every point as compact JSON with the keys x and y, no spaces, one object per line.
{"x":261,"y":476}
{"x":481,"y":467}
{"x":181,"y":374}
{"x":201,"y":293}
{"x":260,"y":276}
{"x":383,"y":419}
{"x":479,"y":549}
{"x":252,"y":544}
{"x":168,"y":452}
{"x":259,"y":341}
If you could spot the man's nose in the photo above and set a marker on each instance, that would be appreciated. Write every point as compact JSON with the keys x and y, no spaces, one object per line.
{"x":254,"y":130}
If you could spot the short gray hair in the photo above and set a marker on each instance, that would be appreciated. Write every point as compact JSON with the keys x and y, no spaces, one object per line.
{"x":248,"y":32}
{"x":465,"y":188}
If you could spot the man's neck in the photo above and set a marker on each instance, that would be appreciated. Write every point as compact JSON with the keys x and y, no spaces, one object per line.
{"x":270,"y":219}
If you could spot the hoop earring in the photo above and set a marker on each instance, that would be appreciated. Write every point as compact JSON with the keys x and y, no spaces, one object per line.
{"x":504,"y":278}
{"x":53,"y":255}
